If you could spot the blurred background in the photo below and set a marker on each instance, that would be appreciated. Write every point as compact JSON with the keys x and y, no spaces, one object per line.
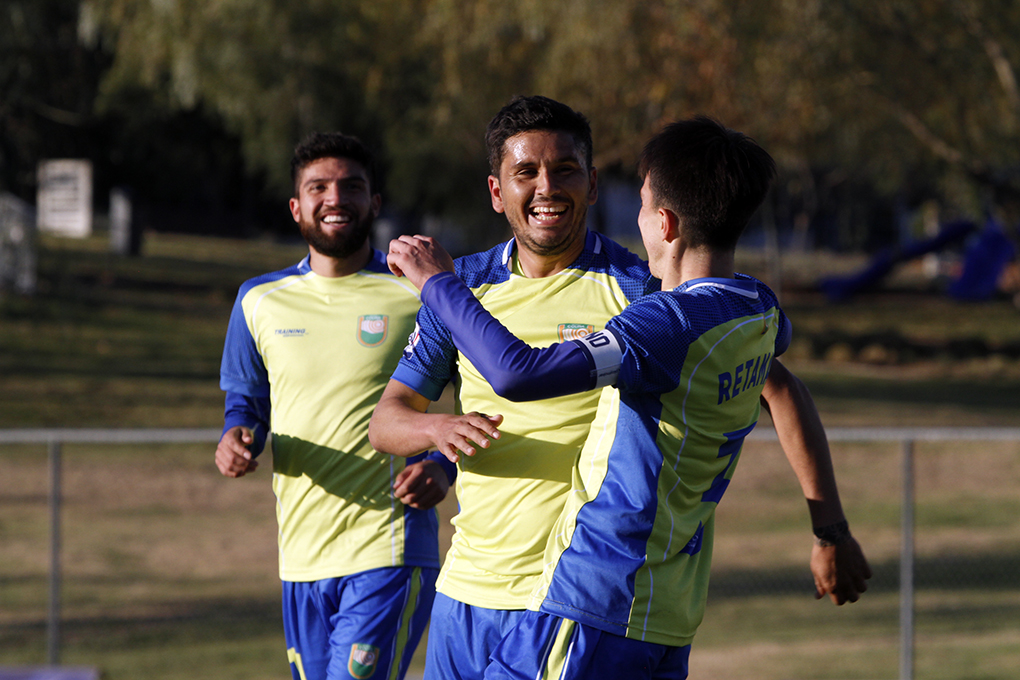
{"x":164,"y":128}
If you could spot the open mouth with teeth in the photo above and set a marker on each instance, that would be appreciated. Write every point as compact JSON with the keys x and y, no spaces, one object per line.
{"x":339,"y":219}
{"x":547,"y":214}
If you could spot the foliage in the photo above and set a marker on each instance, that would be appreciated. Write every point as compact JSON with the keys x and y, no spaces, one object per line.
{"x":48,"y":81}
{"x":859,"y":101}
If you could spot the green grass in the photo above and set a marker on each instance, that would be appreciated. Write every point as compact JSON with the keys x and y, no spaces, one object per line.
{"x":170,"y":569}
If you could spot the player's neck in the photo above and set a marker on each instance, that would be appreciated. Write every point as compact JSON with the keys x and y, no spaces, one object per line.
{"x":335,"y":267}
{"x":535,"y":266}
{"x":696,"y":263}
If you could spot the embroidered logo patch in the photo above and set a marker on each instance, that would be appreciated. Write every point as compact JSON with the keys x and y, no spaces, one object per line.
{"x":372,"y":329}
{"x":363,"y":659}
{"x":573,"y":331}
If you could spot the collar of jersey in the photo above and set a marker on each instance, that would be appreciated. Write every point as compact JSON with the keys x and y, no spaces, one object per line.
{"x":748,"y":289}
{"x":376,"y":263}
{"x":592,"y":242}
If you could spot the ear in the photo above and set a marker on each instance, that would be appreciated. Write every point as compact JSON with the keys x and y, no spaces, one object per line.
{"x":669,"y":223}
{"x":593,"y":186}
{"x":295,"y":209}
{"x":495,"y":193}
{"x":376,"y":204}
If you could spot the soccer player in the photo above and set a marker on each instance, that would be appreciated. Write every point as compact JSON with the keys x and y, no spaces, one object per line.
{"x":308,"y":352}
{"x":627,"y":562}
{"x":553,"y":281}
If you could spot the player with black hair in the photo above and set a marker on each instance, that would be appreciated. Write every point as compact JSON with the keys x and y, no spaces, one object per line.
{"x":553,"y":281}
{"x":685,"y":371}
{"x":308,"y":352}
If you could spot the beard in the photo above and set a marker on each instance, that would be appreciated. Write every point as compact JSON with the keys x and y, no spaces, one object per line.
{"x":548,"y":244}
{"x":340,"y":245}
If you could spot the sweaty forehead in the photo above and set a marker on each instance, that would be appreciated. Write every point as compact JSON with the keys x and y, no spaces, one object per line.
{"x":541,"y":146}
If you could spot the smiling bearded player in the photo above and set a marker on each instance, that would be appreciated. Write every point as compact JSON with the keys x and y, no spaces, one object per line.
{"x":308,"y":352}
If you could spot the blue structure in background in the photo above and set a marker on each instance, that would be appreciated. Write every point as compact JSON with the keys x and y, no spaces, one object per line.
{"x":984,"y":262}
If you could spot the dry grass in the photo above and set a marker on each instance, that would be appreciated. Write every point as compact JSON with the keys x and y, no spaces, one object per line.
{"x":170,"y":570}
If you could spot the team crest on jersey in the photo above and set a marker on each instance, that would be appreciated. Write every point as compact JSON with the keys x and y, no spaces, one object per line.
{"x":573,"y":331}
{"x":372,"y":329}
{"x":363,"y":659}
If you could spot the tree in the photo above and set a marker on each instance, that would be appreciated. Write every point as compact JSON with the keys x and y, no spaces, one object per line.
{"x":48,"y":79}
{"x":865,"y":98}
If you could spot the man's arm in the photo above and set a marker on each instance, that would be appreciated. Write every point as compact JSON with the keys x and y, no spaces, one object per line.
{"x":514,"y":370}
{"x":401,"y":426}
{"x":839,"y":567}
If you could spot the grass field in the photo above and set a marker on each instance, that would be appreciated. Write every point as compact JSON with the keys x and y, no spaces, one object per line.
{"x":170,"y":569}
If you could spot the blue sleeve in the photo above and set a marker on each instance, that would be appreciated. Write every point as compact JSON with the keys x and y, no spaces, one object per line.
{"x":449,"y":467}
{"x":244,"y":378}
{"x":785,"y":334}
{"x":515,"y":370}
{"x":242,"y":369}
{"x":784,"y":330}
{"x":429,"y":360}
{"x":251,"y":412}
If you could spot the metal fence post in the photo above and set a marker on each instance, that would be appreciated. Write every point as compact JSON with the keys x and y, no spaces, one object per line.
{"x":907,"y":565}
{"x":53,"y":615}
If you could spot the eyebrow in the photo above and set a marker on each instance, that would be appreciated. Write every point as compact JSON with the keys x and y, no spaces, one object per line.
{"x":555,"y":161}
{"x":346,"y":180}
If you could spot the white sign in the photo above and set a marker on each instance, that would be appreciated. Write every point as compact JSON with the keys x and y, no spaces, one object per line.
{"x":64,"y":199}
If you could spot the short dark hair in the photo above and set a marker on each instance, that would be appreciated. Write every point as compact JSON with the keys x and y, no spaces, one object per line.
{"x":332,"y":145}
{"x":712,"y":177}
{"x":524,"y":114}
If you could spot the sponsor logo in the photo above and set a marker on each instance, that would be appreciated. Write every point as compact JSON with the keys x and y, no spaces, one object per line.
{"x":362,"y":662}
{"x":372,"y":329}
{"x":291,"y":332}
{"x":573,"y":331}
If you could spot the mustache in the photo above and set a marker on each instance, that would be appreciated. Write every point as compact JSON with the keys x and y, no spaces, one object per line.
{"x":343,"y":212}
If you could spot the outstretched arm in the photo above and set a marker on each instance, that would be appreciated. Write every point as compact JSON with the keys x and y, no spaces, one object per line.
{"x":837,"y":562}
{"x":401,"y":426}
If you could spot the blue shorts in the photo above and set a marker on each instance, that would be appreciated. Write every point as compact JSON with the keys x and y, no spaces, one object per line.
{"x":547,"y":647}
{"x":362,"y":626}
{"x":461,"y":637}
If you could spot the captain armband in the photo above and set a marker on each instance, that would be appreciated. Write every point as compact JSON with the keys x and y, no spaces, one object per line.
{"x":604,"y":357}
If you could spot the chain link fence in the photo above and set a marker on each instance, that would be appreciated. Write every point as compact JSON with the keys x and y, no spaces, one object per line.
{"x":124,"y":550}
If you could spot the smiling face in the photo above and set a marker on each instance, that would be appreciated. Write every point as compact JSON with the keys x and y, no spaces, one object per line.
{"x":335,"y":207}
{"x":544,"y":188}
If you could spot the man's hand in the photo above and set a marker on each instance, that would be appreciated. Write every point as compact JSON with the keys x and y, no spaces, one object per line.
{"x":232,"y":455}
{"x":840,"y":571}
{"x":453,"y":435}
{"x":421,"y":485}
{"x":418,"y":258}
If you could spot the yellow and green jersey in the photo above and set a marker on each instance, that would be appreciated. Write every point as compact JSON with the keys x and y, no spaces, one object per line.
{"x":683,"y":372}
{"x":308,"y":357}
{"x":510,"y":493}
{"x":631,"y":552}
